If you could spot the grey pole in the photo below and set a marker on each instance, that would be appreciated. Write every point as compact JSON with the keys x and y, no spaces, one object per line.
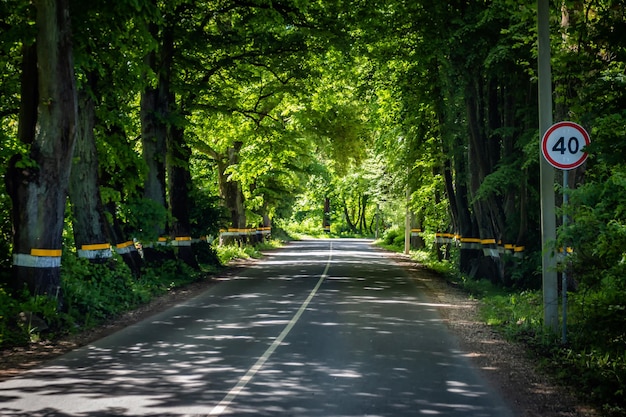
{"x":548,"y":216}
{"x":407,"y":222}
{"x":565,"y":264}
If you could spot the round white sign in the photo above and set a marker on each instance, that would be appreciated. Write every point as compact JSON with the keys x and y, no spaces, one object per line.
{"x":562,"y":145}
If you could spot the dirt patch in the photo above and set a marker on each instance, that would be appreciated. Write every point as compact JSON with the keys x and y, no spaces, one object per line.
{"x":506,"y":365}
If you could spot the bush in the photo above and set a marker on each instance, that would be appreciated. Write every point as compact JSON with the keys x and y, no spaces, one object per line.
{"x":94,"y":292}
{"x":205,"y":254}
{"x":305,"y":227}
{"x":394,"y":237}
{"x":19,"y":315}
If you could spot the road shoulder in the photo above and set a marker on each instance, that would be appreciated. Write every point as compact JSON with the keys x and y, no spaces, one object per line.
{"x":506,"y":365}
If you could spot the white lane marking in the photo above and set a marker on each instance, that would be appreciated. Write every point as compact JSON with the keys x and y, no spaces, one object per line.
{"x":236,"y":390}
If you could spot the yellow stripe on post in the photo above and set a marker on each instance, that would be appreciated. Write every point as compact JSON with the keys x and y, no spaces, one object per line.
{"x":488,"y":241}
{"x":470,"y":240}
{"x":97,"y":246}
{"x":53,"y":253}
{"x":182,"y":238}
{"x":124,"y":245}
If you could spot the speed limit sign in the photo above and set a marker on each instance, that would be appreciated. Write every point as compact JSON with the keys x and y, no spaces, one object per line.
{"x":562,"y":145}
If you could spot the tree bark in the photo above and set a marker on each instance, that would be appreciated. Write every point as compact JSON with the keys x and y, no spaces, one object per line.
{"x":154,"y":110}
{"x":38,"y":188}
{"x":91,"y":229}
{"x":348,"y":218}
{"x":154,"y":130}
{"x":481,"y":163}
{"x":326,"y":215}
{"x":363,"y":214}
{"x":235,"y":195}
{"x":231,"y":191}
{"x":179,"y":186}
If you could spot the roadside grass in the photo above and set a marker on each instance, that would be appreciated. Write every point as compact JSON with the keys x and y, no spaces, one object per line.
{"x":592,"y":362}
{"x":229,"y":253}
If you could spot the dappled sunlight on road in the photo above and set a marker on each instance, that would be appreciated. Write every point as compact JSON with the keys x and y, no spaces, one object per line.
{"x":368,"y":342}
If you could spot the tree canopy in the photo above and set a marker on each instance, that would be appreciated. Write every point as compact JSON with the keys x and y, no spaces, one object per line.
{"x":168,"y":121}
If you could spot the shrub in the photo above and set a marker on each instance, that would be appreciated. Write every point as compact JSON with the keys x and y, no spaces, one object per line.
{"x":94,"y":292}
{"x":393,"y":235}
{"x":19,"y":315}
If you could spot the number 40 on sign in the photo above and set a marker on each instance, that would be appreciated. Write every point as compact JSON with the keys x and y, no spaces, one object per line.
{"x":563,"y":145}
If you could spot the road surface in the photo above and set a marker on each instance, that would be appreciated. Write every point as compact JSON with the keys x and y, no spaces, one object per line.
{"x":319,"y":328}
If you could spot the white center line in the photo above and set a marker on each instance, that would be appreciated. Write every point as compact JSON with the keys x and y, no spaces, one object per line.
{"x":234,"y":392}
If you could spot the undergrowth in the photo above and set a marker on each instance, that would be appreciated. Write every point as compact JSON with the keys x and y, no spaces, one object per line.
{"x":93,"y":293}
{"x":228,"y":253}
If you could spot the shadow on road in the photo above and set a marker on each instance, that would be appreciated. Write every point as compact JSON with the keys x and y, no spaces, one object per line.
{"x":368,"y":344}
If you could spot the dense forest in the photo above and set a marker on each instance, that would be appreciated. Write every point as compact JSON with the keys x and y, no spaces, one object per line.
{"x":133,"y":131}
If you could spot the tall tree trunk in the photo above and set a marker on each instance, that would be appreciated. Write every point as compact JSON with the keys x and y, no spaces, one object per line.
{"x":348,"y":218}
{"x":154,"y":130}
{"x":179,"y":185}
{"x":38,"y":188}
{"x":91,"y":229}
{"x":466,"y":223}
{"x":119,"y":236}
{"x":231,"y":191}
{"x":363,"y":222}
{"x":326,"y":215}
{"x":481,"y":161}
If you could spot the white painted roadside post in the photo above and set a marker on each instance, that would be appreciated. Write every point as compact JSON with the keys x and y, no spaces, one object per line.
{"x":563,"y":146}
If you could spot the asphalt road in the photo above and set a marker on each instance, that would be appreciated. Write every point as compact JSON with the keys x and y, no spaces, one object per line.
{"x":319,"y":328}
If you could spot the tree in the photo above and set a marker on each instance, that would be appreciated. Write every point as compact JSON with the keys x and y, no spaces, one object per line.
{"x":38,"y":182}
{"x":91,"y":229}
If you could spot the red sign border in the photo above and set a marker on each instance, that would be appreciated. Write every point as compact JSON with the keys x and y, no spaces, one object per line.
{"x":544,"y":143}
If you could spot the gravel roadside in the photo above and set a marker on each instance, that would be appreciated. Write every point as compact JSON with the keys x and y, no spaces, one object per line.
{"x":507,"y":366}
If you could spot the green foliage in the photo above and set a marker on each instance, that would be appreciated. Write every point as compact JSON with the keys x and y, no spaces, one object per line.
{"x":20,"y":313}
{"x":144,"y":218}
{"x":598,"y":230}
{"x":228,"y":253}
{"x":169,"y":275}
{"x":206,"y":216}
{"x":94,"y":292}
{"x":310,"y":226}
{"x":600,"y":376}
{"x":357,"y":105}
{"x":593,"y":361}
{"x":518,"y":313}
{"x":429,"y":259}
{"x":394,"y":237}
{"x":10,"y":333}
{"x":5,"y":238}
{"x":205,"y":254}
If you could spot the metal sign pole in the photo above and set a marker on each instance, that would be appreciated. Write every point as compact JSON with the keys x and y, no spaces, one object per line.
{"x":564,"y":274}
{"x":548,"y":216}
